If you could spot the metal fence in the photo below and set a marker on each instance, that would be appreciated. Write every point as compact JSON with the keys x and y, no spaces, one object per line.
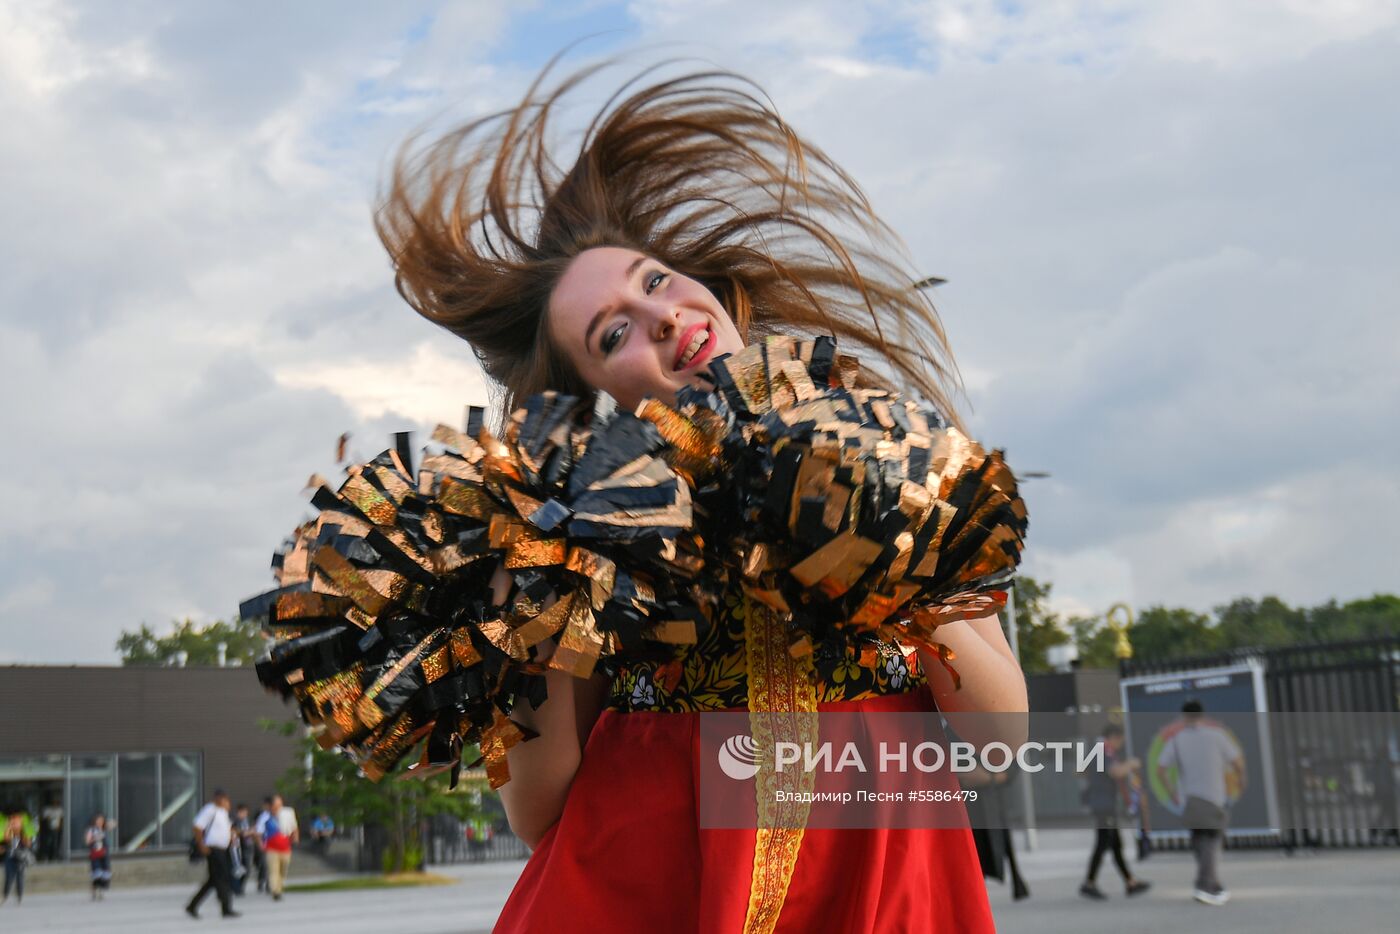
{"x":453,"y":841}
{"x":1336,"y":773}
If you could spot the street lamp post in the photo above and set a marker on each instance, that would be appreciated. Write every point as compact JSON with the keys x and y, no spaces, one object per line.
{"x":1027,"y":795}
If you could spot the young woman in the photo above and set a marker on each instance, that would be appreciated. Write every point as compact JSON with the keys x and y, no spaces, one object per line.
{"x":99,"y":859}
{"x":1104,"y":796}
{"x":691,"y":221}
{"x":16,"y":842}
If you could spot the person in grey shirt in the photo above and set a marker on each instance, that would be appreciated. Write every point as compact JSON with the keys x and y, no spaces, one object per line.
{"x":1202,"y":755}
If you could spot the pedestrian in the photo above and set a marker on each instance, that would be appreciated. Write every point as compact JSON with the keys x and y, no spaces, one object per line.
{"x":989,"y":818}
{"x":213,"y":833}
{"x":245,"y":846}
{"x":279,"y":836}
{"x":51,"y":831}
{"x":259,"y":832}
{"x":18,"y":842}
{"x":322,"y":830}
{"x":1203,"y":756}
{"x":99,"y":858}
{"x":1104,"y":795}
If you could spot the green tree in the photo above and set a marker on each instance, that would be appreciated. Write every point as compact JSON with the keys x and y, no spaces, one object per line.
{"x":1163,"y":632}
{"x":243,"y":642}
{"x":1367,"y":618}
{"x":397,"y":802}
{"x":1037,"y":628}
{"x":1265,"y":623}
{"x":1097,"y":643}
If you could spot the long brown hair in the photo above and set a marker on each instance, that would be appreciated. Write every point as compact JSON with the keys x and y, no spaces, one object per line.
{"x":698,"y":171}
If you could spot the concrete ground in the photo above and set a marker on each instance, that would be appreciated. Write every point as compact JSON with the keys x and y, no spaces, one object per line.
{"x":470,"y":905}
{"x":1330,"y":890}
{"x":1311,"y":892}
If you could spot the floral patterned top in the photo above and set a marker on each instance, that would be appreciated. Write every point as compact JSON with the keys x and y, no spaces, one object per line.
{"x":713,"y":675}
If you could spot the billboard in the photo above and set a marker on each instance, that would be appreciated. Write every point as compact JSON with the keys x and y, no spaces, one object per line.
{"x":1234,"y":702}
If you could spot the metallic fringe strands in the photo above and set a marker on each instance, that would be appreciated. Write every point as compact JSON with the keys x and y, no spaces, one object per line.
{"x":835,"y":506}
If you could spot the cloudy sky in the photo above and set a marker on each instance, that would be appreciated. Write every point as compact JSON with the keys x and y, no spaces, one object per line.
{"x":1168,"y":228}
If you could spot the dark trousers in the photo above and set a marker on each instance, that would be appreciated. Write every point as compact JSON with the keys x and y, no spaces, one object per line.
{"x":220,"y":880}
{"x":1207,"y":844}
{"x":1108,"y":841}
{"x":14,"y":876}
{"x":101,"y":867}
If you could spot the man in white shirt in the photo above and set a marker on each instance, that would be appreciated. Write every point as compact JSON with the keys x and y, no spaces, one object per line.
{"x":51,"y":831}
{"x":213,"y":833}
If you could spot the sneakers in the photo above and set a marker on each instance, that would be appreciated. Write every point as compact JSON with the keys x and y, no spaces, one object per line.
{"x":1137,"y":887}
{"x":1090,"y":890}
{"x":1211,"y":896}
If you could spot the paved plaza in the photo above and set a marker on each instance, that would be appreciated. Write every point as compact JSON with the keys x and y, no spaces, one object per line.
{"x":1312,"y":892}
{"x":470,"y":905}
{"x":1353,"y":891}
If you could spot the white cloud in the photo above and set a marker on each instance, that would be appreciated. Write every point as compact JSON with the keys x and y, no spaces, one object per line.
{"x":1234,"y":35}
{"x":427,"y":385}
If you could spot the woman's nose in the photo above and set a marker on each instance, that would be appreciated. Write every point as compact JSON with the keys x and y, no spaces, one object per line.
{"x":666,"y":320}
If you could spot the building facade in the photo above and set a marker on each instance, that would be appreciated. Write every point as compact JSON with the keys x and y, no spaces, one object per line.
{"x":144,"y":746}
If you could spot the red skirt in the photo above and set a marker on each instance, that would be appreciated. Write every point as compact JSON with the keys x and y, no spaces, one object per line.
{"x":628,"y":855}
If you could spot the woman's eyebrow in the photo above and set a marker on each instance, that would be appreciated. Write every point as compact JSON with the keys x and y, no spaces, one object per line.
{"x":601,"y":312}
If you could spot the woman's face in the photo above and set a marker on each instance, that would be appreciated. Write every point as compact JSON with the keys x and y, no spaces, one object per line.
{"x":633,"y":328}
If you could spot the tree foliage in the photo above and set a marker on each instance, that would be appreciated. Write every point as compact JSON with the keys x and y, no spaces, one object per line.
{"x":396,"y":803}
{"x":243,"y":643}
{"x":1037,"y":628}
{"x":1160,"y":632}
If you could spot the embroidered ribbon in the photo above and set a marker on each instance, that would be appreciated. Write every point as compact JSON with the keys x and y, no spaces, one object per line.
{"x":782,"y":707}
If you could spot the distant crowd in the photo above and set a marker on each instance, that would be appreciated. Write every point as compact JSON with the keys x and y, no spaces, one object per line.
{"x":236,"y":845}
{"x":233,"y":844}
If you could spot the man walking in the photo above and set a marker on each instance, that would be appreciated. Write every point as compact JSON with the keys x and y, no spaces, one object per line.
{"x":213,"y":833}
{"x":1202,"y":754}
{"x":280,"y":834}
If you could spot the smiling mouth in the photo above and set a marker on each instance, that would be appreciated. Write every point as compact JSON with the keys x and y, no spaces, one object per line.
{"x":696,"y":348}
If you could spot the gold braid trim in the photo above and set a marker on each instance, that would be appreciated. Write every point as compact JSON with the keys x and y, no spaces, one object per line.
{"x":782,"y":707}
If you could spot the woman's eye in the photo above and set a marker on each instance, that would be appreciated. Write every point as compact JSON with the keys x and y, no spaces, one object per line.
{"x":611,"y":338}
{"x":655,"y":280}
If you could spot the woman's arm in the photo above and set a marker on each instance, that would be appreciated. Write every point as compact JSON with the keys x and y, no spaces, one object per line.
{"x":991,"y":682}
{"x":543,"y":768}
